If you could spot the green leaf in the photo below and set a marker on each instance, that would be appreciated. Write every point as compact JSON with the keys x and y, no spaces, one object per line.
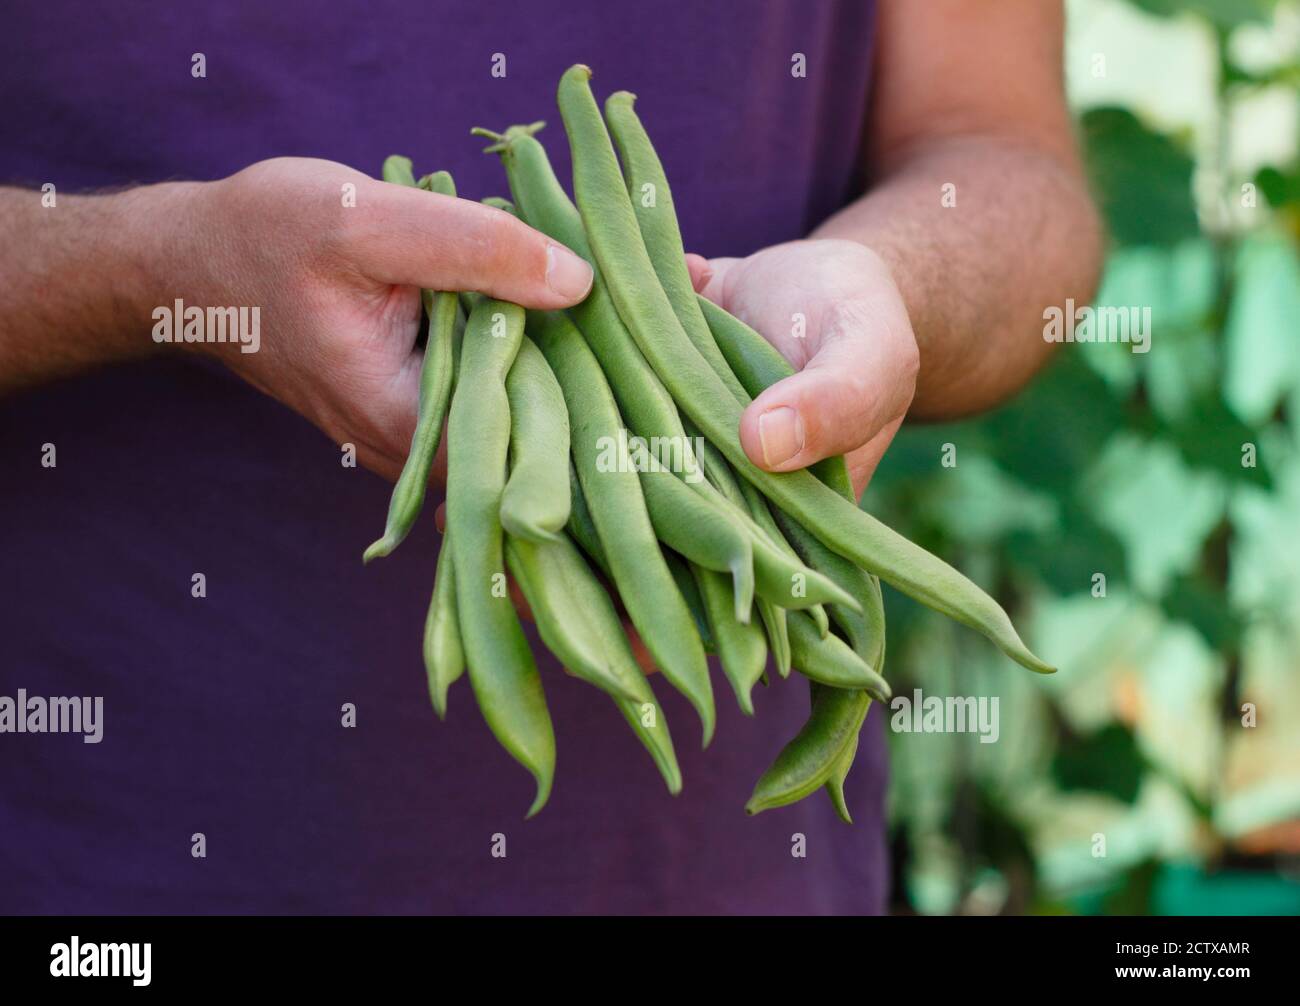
{"x":1142,"y":178}
{"x":1261,"y":327}
{"x":1205,"y":607}
{"x":1050,"y":434}
{"x":1133,"y":895}
{"x":1163,"y":510}
{"x":1107,"y":761}
{"x":1067,"y":557}
{"x":1211,"y":438}
{"x":1280,"y":188}
{"x":1225,"y":14}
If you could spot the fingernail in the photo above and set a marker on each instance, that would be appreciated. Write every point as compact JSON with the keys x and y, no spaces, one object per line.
{"x":780,"y":431}
{"x":567,"y":274}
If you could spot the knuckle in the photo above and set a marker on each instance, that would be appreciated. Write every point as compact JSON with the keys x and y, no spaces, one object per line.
{"x":514,"y":251}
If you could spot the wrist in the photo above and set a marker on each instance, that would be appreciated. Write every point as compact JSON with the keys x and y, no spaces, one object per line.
{"x":84,"y":275}
{"x":151,"y":260}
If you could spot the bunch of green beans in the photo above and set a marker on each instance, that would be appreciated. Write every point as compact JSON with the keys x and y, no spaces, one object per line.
{"x":594,"y":460}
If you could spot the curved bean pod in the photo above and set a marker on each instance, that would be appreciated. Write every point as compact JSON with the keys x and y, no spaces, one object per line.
{"x":705,"y":534}
{"x":873,"y":651}
{"x":435,"y":394}
{"x":536,"y":501}
{"x":770,"y":577}
{"x":444,"y":658}
{"x":741,"y":645}
{"x":574,"y":614}
{"x":834,"y":784}
{"x":816,"y":756}
{"x":501,"y":668}
{"x":645,"y":716}
{"x":581,"y":527}
{"x":830,"y":661}
{"x":802,"y":766}
{"x":576,"y":619}
{"x":767,"y":572}
{"x":685,"y":581}
{"x":656,"y":217}
{"x":865,"y":631}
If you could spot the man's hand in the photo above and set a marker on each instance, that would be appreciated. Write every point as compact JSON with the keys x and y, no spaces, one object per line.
{"x":832,"y":309}
{"x":928,"y":292}
{"x":336,"y":280}
{"x":340,"y":288}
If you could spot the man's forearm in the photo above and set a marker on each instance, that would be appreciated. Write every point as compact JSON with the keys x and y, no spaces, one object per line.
{"x":81,"y":278}
{"x":976,"y":276}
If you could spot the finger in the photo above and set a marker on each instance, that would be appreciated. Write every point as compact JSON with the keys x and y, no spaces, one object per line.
{"x":845,"y":395}
{"x":863,"y":462}
{"x":417,"y":238}
{"x":700,"y":269}
{"x":714,"y":279}
{"x":639,"y":651}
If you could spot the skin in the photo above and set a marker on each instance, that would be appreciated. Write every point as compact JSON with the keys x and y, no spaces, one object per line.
{"x":338,"y":288}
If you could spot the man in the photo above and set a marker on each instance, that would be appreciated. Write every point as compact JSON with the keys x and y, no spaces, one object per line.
{"x":902,"y":175}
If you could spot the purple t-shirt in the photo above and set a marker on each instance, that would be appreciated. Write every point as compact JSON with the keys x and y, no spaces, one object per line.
{"x":222,"y":716}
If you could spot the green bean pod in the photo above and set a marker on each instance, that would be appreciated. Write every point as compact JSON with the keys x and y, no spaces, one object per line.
{"x":865,"y":631}
{"x":501,"y":668}
{"x":536,"y":502}
{"x":615,"y":239}
{"x":834,"y":784}
{"x":435,"y":394}
{"x":656,"y":217}
{"x":741,"y":645}
{"x":444,"y":657}
{"x":873,"y":651}
{"x":685,"y":581}
{"x":855,"y":620}
{"x":818,"y":759}
{"x":618,"y":510}
{"x":793,"y":597}
{"x":577,"y":621}
{"x":705,"y":534}
{"x":568,"y":604}
{"x":645,"y":716}
{"x":830,"y":661}
{"x":581,"y":527}
{"x":772,"y":578}
{"x":805,"y":764}
{"x":772,"y":573}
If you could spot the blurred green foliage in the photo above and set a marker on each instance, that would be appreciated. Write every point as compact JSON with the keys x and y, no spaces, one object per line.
{"x":1138,"y":513}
